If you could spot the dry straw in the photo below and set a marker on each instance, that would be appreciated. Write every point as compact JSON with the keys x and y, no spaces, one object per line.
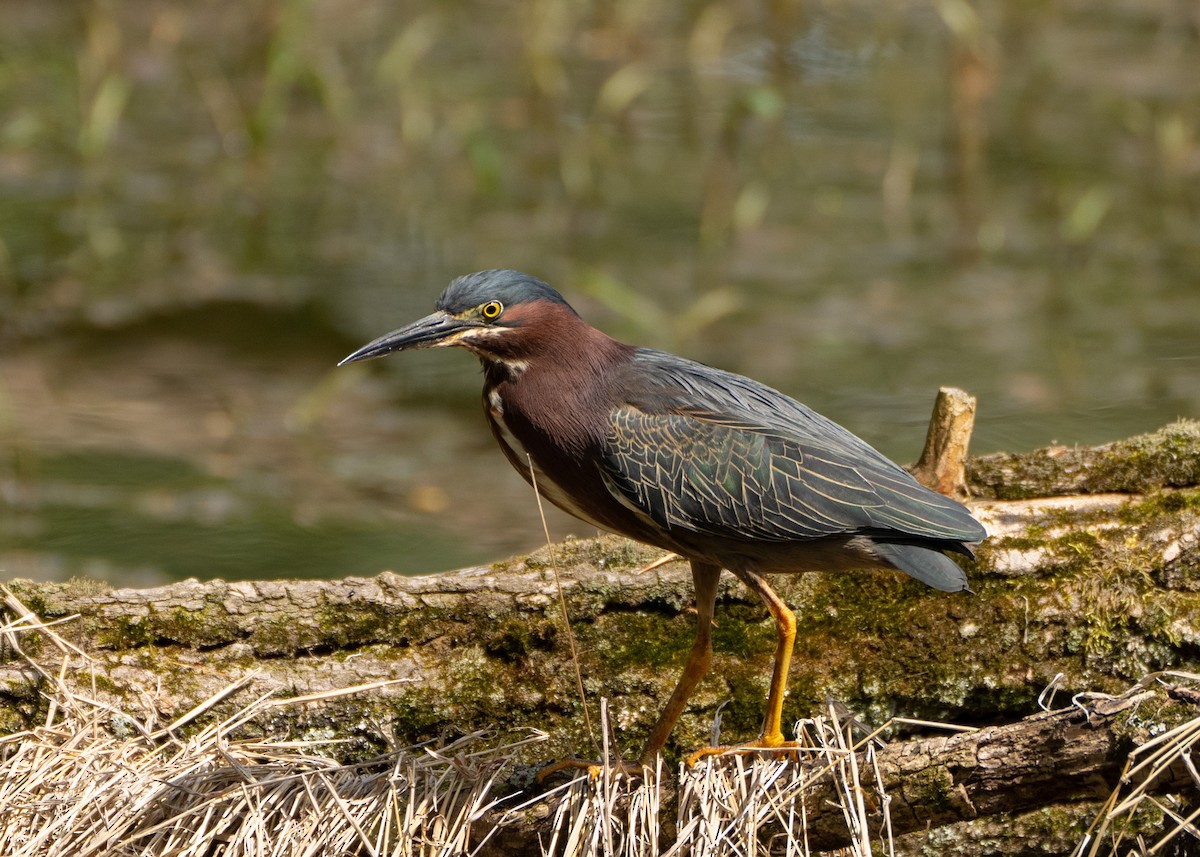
{"x":96,"y":780}
{"x":1148,"y":764}
{"x":93,"y":780}
{"x":733,"y":804}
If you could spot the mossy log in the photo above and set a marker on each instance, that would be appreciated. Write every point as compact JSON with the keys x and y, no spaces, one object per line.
{"x":993,"y":784}
{"x":1090,"y":580}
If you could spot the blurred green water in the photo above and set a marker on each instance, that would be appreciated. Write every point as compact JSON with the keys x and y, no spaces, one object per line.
{"x":203,"y":207}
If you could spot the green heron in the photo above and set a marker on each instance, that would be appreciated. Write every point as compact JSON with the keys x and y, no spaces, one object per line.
{"x":715,"y":467}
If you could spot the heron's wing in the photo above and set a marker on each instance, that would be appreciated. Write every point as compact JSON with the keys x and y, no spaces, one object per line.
{"x":723,"y":455}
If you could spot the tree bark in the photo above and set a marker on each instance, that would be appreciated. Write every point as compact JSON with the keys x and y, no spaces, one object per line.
{"x":1048,"y":759}
{"x":1089,"y":581}
{"x":942,"y":465}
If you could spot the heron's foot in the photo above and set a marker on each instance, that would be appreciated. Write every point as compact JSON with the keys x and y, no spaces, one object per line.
{"x":761,"y":747}
{"x":633,"y":770}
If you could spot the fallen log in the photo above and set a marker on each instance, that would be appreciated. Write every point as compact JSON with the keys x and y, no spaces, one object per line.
{"x":1089,"y":582}
{"x":1079,"y":753}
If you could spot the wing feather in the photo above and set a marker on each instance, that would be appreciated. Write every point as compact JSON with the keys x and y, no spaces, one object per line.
{"x":720,"y":454}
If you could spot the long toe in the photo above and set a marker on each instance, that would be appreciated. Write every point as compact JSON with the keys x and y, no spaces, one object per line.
{"x":595,"y":770}
{"x":758,"y":747}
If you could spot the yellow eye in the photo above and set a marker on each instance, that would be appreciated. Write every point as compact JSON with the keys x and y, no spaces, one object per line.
{"x":491,"y":310}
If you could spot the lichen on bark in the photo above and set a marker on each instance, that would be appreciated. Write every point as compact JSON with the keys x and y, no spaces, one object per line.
{"x":1090,"y":580}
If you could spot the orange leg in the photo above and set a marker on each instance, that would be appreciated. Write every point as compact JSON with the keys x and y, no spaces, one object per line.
{"x":785,"y":624}
{"x":705,"y":578}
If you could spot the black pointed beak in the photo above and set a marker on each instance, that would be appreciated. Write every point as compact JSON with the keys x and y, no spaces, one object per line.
{"x":431,"y":331}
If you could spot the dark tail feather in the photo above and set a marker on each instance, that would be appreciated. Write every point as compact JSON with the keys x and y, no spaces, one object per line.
{"x":927,"y":565}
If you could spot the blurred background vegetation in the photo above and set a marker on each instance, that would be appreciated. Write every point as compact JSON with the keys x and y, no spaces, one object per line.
{"x":204,"y":206}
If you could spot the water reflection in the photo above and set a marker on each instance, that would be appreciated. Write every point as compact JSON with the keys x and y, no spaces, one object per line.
{"x":204,"y":208}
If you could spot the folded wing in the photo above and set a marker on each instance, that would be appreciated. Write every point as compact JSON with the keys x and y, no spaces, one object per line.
{"x":723,"y":455}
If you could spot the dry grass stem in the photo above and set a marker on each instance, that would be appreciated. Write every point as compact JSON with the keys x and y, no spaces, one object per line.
{"x":606,"y":812}
{"x":734,"y":804}
{"x":95,"y":780}
{"x":1161,"y":756}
